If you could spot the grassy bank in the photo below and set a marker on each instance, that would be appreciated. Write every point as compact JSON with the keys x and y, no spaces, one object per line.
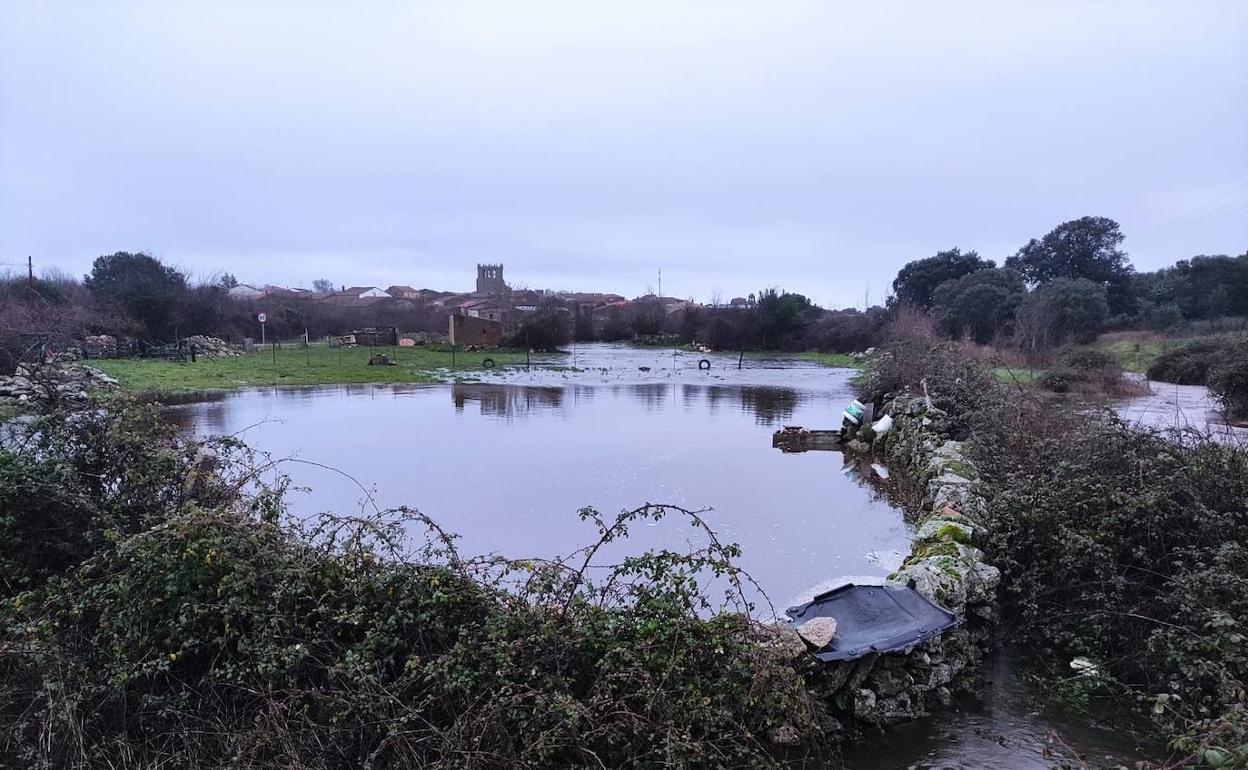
{"x":293,"y":365}
{"x":831,"y":359}
{"x":827,"y":359}
{"x":1136,"y":351}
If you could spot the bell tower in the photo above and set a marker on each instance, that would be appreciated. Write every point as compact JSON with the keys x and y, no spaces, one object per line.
{"x":490,"y":279}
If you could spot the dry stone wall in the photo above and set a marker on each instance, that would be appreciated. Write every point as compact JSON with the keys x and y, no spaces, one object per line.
{"x":945,"y":565}
{"x":72,"y":382}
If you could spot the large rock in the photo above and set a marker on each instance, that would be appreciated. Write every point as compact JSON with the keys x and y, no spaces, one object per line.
{"x":944,"y":577}
{"x":945,"y":531}
{"x":818,"y":632}
{"x":982,"y":584}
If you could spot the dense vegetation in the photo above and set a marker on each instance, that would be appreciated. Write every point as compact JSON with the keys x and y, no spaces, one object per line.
{"x":1122,"y":546}
{"x":157,"y":610}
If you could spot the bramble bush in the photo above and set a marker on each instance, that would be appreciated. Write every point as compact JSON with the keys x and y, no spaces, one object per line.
{"x":1088,"y":371}
{"x":1228,"y":381}
{"x":1121,"y":545}
{"x":188,"y":623}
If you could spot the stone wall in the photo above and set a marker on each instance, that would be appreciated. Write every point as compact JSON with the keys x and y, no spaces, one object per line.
{"x":51,"y":383}
{"x":944,"y":565}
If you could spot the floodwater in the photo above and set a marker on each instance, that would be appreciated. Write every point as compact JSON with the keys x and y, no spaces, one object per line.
{"x":507,"y":461}
{"x":1007,"y":727}
{"x":1184,"y":407}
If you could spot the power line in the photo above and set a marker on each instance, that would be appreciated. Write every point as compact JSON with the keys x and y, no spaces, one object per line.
{"x":1234,"y":192}
{"x":1217,"y":206}
{"x":1221,"y":212}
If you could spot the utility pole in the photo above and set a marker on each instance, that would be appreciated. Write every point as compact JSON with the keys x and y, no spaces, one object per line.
{"x":660,"y":285}
{"x":30,"y":278}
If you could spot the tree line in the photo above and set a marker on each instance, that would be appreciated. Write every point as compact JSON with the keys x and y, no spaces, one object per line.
{"x":1068,"y":286}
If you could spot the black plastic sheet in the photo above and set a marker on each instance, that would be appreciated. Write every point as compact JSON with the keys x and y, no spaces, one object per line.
{"x":874,"y":619}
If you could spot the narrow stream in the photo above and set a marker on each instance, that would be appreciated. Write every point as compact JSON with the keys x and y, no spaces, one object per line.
{"x":1007,"y":727}
{"x":1179,"y":407}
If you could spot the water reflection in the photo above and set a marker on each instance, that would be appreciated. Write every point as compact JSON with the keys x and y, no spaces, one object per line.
{"x":507,"y":401}
{"x":768,"y":405}
{"x":508,"y":466}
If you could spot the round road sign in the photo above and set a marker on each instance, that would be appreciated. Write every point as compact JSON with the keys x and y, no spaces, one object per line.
{"x":262,"y":317}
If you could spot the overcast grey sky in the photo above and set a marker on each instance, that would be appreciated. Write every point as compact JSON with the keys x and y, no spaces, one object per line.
{"x":814,"y":146}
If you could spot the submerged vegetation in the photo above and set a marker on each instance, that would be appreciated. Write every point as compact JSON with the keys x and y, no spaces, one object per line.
{"x":159,"y":610}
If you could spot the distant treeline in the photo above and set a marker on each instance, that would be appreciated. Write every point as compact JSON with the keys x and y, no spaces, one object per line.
{"x":1068,"y":286}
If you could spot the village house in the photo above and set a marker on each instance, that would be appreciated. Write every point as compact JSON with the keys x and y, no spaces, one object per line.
{"x":588,"y":302}
{"x":245,"y":291}
{"x":403,"y":292}
{"x":356,"y":296}
{"x":489,"y":309}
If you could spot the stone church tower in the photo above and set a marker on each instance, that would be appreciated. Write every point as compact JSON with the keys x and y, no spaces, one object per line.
{"x":490,"y":279}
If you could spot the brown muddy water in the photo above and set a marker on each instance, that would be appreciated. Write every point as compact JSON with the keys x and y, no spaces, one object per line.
{"x":506,"y":462}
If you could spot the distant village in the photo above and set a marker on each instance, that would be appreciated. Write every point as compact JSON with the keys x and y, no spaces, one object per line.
{"x":487,"y":314}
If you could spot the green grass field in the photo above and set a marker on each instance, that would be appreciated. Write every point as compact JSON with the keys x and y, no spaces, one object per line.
{"x":1138,"y":355}
{"x":294,"y":365}
{"x":831,"y":359}
{"x":1010,"y":375}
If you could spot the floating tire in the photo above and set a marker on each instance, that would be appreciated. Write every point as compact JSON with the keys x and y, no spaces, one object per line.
{"x":488,"y":363}
{"x":704,"y":364}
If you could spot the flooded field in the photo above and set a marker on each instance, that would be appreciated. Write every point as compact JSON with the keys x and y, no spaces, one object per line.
{"x":508,"y":461}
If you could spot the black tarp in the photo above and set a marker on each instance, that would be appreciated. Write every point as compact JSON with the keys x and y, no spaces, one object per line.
{"x":873,"y":619}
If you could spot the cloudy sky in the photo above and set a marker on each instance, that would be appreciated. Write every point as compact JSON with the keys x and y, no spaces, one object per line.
{"x":813,"y":146}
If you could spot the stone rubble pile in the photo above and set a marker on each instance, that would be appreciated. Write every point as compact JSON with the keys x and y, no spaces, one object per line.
{"x":211,"y":346}
{"x":100,"y":346}
{"x":71,"y":382}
